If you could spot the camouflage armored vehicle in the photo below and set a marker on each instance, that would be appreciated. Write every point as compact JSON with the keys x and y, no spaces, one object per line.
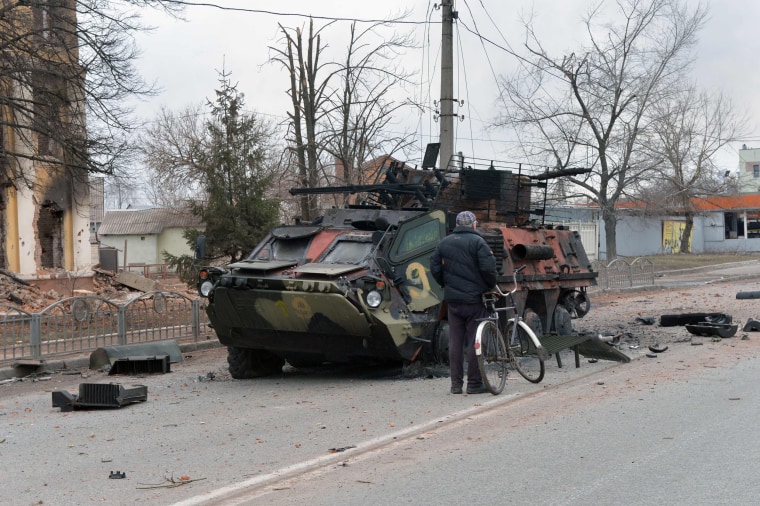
{"x":355,"y":284}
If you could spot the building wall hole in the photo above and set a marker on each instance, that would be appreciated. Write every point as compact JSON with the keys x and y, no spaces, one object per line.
{"x":50,"y":230}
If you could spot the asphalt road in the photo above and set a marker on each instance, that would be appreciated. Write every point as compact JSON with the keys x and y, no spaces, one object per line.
{"x":236,"y":440}
{"x":633,"y":435}
{"x":220,"y":432}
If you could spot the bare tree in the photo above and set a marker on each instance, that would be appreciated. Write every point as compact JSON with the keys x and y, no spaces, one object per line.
{"x":340,"y":110}
{"x":685,"y":134}
{"x":122,"y":192}
{"x":357,"y":124}
{"x":589,"y":107}
{"x":171,"y":148}
{"x":66,"y":71}
{"x":308,"y":95}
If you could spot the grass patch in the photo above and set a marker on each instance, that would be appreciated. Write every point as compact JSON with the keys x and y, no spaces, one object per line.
{"x":690,"y":261}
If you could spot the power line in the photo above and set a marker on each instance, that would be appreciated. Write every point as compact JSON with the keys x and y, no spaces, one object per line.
{"x":293,"y":14}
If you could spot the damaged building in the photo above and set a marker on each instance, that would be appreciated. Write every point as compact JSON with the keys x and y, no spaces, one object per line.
{"x":44,"y":195}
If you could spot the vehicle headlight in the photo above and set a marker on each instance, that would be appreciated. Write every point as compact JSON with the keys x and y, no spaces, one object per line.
{"x":205,"y":288}
{"x":374,"y":298}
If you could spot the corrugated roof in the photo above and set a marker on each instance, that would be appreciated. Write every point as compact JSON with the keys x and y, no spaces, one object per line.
{"x":146,"y":221}
{"x":727,"y":202}
{"x":741,"y":202}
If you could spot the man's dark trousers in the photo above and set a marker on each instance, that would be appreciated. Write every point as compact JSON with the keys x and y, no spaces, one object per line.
{"x":463,"y":323}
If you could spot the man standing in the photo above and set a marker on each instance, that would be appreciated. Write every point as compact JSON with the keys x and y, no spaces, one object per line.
{"x":464,"y":265}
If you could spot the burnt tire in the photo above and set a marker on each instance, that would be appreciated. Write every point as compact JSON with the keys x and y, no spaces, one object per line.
{"x":245,"y":363}
{"x":437,"y":351}
{"x":563,"y":322}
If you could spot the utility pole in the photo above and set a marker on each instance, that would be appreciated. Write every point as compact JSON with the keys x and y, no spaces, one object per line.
{"x":448,"y":14}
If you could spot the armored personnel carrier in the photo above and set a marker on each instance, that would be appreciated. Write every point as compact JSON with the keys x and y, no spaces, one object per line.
{"x":355,"y":284}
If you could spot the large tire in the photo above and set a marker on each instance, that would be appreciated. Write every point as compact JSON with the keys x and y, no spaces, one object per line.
{"x":245,"y":363}
{"x":563,"y":322}
{"x":437,"y":351}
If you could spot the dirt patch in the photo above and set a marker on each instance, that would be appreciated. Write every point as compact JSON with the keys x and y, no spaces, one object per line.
{"x":625,"y":314}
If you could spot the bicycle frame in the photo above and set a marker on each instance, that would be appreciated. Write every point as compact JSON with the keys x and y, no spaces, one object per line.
{"x":517,"y":321}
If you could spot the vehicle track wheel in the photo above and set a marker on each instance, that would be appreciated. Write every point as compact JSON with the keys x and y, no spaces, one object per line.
{"x":576,"y":302}
{"x":563,"y":323}
{"x":534,"y":322}
{"x":440,"y":353}
{"x":245,"y":363}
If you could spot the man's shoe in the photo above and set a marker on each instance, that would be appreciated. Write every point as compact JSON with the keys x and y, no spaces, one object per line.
{"x":477,"y":390}
{"x":456,"y":390}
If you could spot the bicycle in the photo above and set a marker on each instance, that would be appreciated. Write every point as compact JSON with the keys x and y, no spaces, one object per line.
{"x":523,"y":351}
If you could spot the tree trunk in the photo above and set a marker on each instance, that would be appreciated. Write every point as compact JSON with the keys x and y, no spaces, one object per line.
{"x":610,"y":233}
{"x":686,"y":236}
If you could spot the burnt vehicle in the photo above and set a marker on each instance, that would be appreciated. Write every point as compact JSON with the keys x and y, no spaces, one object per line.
{"x":356,"y":285}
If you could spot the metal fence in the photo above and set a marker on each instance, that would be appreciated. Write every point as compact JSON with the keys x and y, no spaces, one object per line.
{"x":621,"y":274}
{"x":85,"y":323}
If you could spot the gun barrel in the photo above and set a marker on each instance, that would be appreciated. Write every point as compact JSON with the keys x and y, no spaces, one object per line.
{"x":553,"y":174}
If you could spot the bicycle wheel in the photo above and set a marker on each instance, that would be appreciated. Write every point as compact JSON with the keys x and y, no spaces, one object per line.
{"x":523,"y":353}
{"x":492,"y":359}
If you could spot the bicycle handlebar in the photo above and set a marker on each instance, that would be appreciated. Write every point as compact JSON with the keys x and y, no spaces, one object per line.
{"x":497,"y":289}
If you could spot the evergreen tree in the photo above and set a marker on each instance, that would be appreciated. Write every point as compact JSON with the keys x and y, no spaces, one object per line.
{"x":234,"y":175}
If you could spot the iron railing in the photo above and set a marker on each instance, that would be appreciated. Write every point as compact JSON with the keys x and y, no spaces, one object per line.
{"x":621,"y":274}
{"x":85,"y":323}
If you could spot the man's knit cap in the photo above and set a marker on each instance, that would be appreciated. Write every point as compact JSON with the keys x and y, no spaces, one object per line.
{"x":465,"y":218}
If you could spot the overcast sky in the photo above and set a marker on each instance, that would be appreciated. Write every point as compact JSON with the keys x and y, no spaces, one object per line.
{"x":183,"y":56}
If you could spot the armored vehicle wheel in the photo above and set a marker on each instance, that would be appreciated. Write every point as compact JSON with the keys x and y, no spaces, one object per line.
{"x":533,"y":321}
{"x":245,"y":363}
{"x":576,"y":302}
{"x":437,"y":350}
{"x":563,"y":324}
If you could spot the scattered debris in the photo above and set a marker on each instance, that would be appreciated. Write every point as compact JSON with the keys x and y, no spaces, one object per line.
{"x":169,"y":483}
{"x":141,"y":365}
{"x":657,"y":348}
{"x":647,"y":320}
{"x":210,"y":376}
{"x":107,"y":355}
{"x":117,"y":475}
{"x":748,"y":295}
{"x":136,"y":281}
{"x":677,"y":320}
{"x":342,"y":449}
{"x":720,"y":330}
{"x":751,"y":325}
{"x":99,"y":395}
{"x":651,"y":355}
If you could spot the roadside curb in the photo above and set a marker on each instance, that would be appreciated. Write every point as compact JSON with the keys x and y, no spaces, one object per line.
{"x":81,"y":362}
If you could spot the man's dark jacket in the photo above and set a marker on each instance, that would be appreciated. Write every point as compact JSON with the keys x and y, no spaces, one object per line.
{"x":464,"y":265}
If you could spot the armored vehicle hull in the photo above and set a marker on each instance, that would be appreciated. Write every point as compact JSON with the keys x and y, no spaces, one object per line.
{"x":355,"y":285}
